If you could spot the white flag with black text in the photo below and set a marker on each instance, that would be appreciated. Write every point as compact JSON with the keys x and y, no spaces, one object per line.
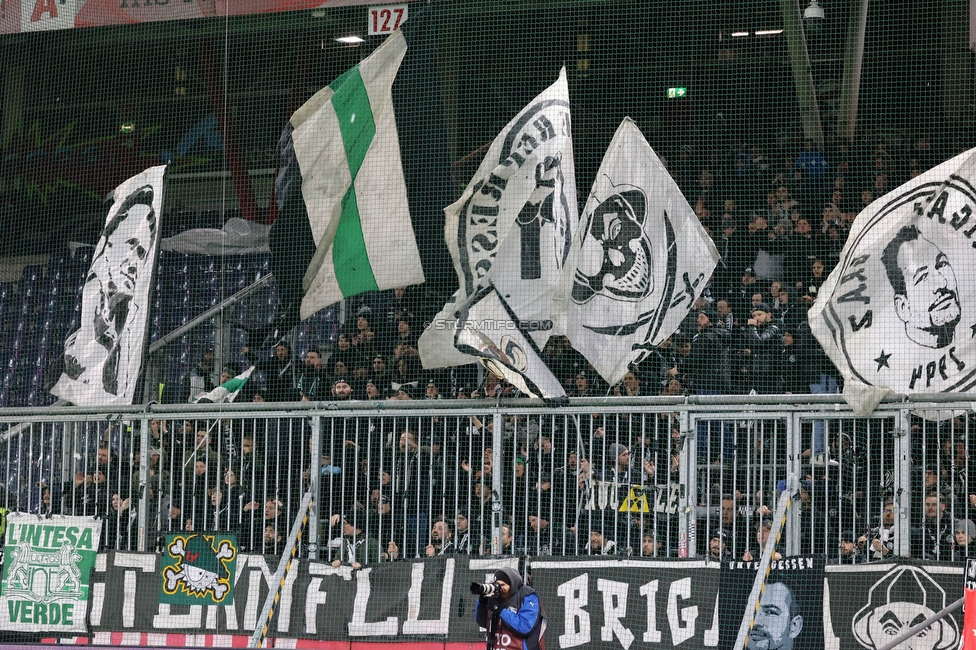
{"x":103,"y":358}
{"x":641,"y":258}
{"x":898,"y":312}
{"x":489,"y":330}
{"x":513,"y":226}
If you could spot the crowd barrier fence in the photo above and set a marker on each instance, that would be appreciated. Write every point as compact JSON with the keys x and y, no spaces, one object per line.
{"x":510,"y":478}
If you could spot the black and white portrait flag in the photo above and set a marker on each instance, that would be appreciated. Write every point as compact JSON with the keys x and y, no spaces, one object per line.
{"x":103,"y":358}
{"x":899,"y":310}
{"x":514,"y":224}
{"x":790,"y":610}
{"x":641,"y":255}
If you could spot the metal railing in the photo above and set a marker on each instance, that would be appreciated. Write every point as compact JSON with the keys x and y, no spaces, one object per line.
{"x":640,"y":476}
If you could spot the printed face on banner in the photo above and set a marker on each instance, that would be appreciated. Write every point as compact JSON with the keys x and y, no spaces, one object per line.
{"x":103,"y":358}
{"x":898,"y":316}
{"x":199,"y":569}
{"x":925,"y":288}
{"x":123,"y":251}
{"x":789,"y":615}
{"x":903,"y":598}
{"x":615,"y":257}
{"x":778,"y":621}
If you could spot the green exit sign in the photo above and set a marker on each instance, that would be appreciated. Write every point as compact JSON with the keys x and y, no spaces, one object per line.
{"x":677,"y":93}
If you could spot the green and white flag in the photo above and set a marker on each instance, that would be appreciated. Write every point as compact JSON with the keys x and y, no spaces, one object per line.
{"x":346,"y":146}
{"x":47,"y":565}
{"x":228,"y":390}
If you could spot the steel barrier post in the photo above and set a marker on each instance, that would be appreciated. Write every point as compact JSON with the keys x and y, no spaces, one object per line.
{"x":687,"y":476}
{"x":314,"y":480}
{"x":496,"y":481}
{"x":67,"y":473}
{"x":794,"y":451}
{"x":144,"y":460}
{"x":903,"y":482}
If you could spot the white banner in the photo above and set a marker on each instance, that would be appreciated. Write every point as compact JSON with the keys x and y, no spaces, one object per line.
{"x":641,"y":256}
{"x":103,"y":358}
{"x":47,"y":565}
{"x":897,"y":312}
{"x":237,"y":237}
{"x":527,"y":179}
{"x":488,"y":330}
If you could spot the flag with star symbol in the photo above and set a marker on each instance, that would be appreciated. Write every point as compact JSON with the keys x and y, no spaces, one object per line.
{"x":898,"y":312}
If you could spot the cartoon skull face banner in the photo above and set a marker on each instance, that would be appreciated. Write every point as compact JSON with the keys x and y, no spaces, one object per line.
{"x":615,"y":257}
{"x":198,"y":569}
{"x":641,"y":258}
{"x":903,"y":598}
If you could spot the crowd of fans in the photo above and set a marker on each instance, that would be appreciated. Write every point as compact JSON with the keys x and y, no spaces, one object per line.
{"x":399,"y":487}
{"x":392,"y":489}
{"x":779,"y":224}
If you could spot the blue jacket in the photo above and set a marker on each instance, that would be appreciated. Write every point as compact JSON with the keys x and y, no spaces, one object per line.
{"x":522,"y":620}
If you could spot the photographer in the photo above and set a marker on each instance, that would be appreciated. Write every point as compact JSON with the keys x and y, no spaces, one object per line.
{"x":510,"y":612}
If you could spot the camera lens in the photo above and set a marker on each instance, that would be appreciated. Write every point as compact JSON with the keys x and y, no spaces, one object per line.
{"x":486,"y":590}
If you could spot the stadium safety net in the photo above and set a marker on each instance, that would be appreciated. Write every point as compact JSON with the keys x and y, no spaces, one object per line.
{"x":312,"y":313}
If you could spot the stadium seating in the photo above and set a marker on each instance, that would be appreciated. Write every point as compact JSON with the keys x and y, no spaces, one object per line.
{"x":44,"y":306}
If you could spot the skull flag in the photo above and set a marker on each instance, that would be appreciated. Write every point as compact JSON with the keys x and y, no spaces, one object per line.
{"x":198,"y":569}
{"x":641,"y":258}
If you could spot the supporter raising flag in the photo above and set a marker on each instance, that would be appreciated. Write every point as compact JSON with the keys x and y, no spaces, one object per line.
{"x":227,"y":391}
{"x":897,"y":313}
{"x":512,"y":230}
{"x":641,"y":258}
{"x":345,"y":226}
{"x":103,"y":358}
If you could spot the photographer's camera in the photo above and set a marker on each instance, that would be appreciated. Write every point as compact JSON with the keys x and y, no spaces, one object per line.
{"x":486,"y":590}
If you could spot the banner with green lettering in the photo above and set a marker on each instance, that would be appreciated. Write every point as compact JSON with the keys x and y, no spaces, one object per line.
{"x":47,"y":565}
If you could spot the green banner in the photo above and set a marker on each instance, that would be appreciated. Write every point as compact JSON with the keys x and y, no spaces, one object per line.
{"x":47,"y":564}
{"x":198,"y":569}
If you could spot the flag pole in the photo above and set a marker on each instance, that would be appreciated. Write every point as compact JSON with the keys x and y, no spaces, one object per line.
{"x":192,"y":454}
{"x":915,"y":629}
{"x":230,"y":301}
{"x":216,"y":83}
